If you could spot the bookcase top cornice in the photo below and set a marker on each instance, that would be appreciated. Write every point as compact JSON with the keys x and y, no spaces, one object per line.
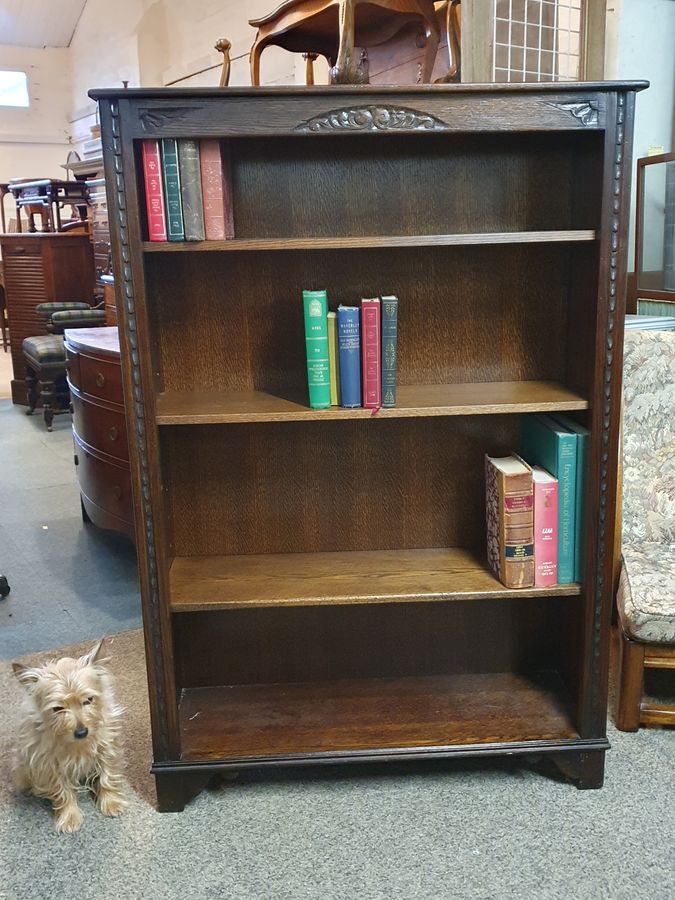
{"x":556,"y":87}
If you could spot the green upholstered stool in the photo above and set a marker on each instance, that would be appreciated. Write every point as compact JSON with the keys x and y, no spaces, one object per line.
{"x":45,"y":356}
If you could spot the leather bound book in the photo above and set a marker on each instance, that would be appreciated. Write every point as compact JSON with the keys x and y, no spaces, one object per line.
{"x":509,"y":509}
{"x":154,"y":193}
{"x":216,"y":191}
{"x":389,"y":342}
{"x":174,"y":204}
{"x":191,"y":189}
{"x":371,"y":354}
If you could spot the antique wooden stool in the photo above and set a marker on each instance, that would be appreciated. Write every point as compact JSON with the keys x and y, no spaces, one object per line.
{"x":45,"y":357}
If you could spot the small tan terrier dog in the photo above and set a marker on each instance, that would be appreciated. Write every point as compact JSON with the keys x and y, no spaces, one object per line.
{"x":70,"y":737}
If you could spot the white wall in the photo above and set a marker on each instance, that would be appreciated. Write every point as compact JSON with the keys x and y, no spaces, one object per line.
{"x":642,"y":45}
{"x":153,"y":43}
{"x":34,"y":141}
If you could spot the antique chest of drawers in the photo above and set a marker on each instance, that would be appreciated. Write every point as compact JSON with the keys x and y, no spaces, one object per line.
{"x":99,"y":427}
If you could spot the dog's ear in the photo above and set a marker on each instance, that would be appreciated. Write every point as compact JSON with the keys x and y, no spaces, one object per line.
{"x":27,"y":676}
{"x":95,"y":655}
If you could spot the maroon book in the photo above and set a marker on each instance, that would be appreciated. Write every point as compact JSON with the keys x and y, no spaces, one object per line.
{"x":371,"y":354}
{"x":216,"y":192}
{"x":154,"y":192}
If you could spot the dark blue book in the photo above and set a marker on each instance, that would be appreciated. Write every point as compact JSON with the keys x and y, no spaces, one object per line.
{"x":349,"y":349}
{"x":389,"y":341}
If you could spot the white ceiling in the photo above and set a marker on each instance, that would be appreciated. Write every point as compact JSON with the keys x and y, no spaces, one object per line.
{"x":39,"y":23}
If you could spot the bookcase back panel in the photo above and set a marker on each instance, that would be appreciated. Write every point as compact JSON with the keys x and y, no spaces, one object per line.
{"x":235,"y":321}
{"x":366,"y":484}
{"x":417,"y":184}
{"x":309,"y":644}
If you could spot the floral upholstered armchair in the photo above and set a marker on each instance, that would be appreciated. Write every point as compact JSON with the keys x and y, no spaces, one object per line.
{"x":646,"y":595}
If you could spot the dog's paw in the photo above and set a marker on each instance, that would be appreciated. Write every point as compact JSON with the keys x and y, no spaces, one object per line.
{"x":69,"y":820}
{"x":111,"y":803}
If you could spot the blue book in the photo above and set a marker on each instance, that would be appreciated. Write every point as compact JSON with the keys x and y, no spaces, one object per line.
{"x":583,"y":445}
{"x":349,"y":349}
{"x":547,"y":444}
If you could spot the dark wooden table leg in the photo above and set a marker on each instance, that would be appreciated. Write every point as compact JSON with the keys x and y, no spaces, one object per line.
{"x":48,"y":400}
{"x":175,"y":790}
{"x":31,"y":391}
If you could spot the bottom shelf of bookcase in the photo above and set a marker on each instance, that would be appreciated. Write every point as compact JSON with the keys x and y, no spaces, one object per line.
{"x":366,"y":715}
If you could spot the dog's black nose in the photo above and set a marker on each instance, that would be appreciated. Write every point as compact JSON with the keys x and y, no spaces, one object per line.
{"x":81,"y":732}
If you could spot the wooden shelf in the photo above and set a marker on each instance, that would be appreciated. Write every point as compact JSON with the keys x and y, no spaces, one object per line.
{"x":377,"y":715}
{"x":371,"y":241}
{"x":484,"y":398}
{"x":206,"y":583}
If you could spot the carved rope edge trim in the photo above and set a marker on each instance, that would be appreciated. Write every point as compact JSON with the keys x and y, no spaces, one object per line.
{"x":372,"y":118}
{"x":607,"y":399}
{"x":159,"y":727}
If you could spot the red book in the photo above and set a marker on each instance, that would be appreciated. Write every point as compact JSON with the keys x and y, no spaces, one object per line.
{"x":545,"y":527}
{"x":216,"y":192}
{"x":154,"y":193}
{"x":371,"y":354}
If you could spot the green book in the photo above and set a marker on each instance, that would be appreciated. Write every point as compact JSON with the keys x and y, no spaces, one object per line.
{"x":333,"y":359}
{"x":389,"y":341}
{"x":583,"y":445}
{"x":316,"y":340}
{"x":174,"y":204}
{"x":191,"y":189}
{"x":547,"y":444}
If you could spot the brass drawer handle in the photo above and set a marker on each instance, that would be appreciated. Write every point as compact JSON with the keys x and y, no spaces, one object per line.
{"x":100,"y":379}
{"x":117,"y":491}
{"x":113,"y":434}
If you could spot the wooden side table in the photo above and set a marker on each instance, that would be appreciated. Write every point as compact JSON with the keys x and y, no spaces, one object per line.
{"x":45,"y":198}
{"x":332,"y":28}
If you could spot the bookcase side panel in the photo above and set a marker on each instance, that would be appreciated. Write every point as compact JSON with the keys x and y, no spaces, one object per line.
{"x":138,"y":378}
{"x":604,"y":414}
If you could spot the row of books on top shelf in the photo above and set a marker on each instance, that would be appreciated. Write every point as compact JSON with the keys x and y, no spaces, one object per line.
{"x":188,"y":193}
{"x":351,"y":352}
{"x":535,"y":505}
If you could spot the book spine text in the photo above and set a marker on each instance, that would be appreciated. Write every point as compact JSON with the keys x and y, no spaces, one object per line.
{"x":371,"y":353}
{"x":389,"y":348}
{"x":316,"y":340}
{"x":349,"y":351}
{"x":174,"y":205}
{"x":216,"y":192}
{"x":154,"y":193}
{"x":191,"y":189}
{"x":545,"y":533}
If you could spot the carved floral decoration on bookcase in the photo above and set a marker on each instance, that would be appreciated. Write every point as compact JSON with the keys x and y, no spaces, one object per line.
{"x":372,"y":118}
{"x":155,"y":118}
{"x":588,"y":113}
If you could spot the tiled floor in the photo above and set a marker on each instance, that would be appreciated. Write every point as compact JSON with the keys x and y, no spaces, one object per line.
{"x":69,"y":581}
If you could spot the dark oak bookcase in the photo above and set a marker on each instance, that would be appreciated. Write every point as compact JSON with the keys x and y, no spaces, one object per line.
{"x":314,"y":581}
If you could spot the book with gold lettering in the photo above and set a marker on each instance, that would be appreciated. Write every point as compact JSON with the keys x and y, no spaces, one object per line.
{"x":509,"y":509}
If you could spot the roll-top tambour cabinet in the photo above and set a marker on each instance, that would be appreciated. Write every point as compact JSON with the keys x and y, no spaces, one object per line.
{"x":41,"y":268}
{"x":315,"y":586}
{"x":99,"y":427}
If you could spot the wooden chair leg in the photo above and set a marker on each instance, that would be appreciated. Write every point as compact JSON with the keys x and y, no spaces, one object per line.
{"x":630,"y":683}
{"x":256,"y":53}
{"x":48,"y":401}
{"x":31,"y":391}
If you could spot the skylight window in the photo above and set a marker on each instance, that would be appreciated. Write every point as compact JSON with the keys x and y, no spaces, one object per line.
{"x":13,"y":89}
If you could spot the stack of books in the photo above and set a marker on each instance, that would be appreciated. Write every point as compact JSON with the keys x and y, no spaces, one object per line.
{"x":351,"y":352}
{"x":188,"y":192}
{"x":535,"y":505}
